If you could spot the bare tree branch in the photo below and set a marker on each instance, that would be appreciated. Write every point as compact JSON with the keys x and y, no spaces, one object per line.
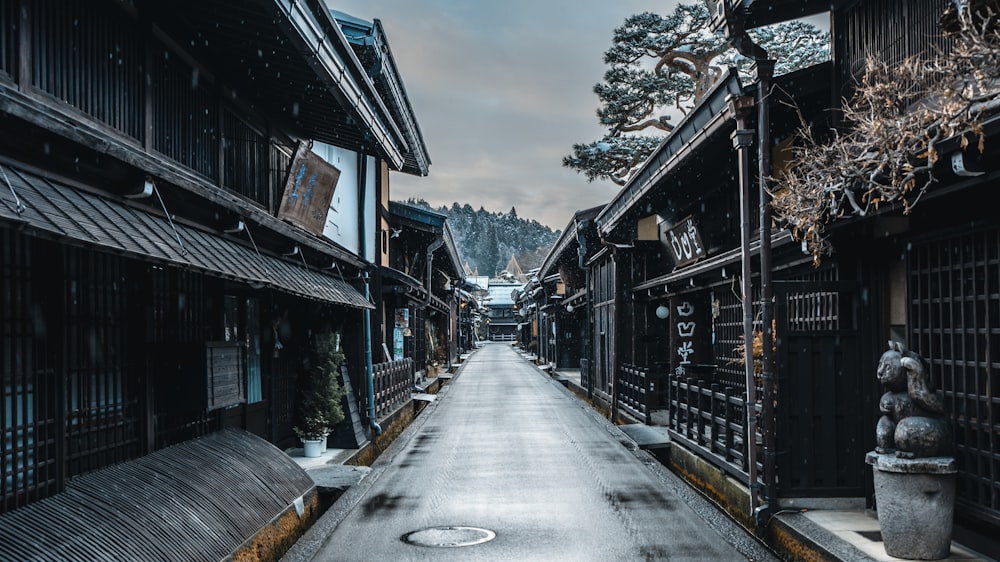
{"x":889,"y":152}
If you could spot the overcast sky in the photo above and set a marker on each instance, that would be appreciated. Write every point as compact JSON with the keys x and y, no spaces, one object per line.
{"x":502,"y":90}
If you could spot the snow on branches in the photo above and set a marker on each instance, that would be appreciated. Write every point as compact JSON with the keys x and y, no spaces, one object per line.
{"x":896,"y":120}
{"x":662,"y":65}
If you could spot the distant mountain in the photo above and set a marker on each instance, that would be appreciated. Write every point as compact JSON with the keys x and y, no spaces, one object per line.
{"x":487,"y":240}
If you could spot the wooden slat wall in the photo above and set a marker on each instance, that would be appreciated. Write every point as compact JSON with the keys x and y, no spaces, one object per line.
{"x":28,"y":417}
{"x":185,"y":114}
{"x":8,"y":45}
{"x":91,"y":58}
{"x":954,"y":324}
{"x":101,"y":406}
{"x":890,"y":31}
{"x":245,"y":153}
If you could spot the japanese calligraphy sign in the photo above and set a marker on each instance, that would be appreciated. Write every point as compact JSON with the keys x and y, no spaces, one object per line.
{"x":684,"y":242}
{"x":690,"y":333}
{"x":308,"y":191}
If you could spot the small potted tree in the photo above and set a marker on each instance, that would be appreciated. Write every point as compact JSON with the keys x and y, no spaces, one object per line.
{"x":320,"y":393}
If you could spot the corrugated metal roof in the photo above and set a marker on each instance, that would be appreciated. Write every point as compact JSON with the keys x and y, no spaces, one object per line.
{"x":53,"y":208}
{"x":198,"y":500}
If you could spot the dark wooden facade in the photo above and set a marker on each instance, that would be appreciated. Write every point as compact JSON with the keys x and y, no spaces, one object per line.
{"x":563,"y":334}
{"x":928,"y":278}
{"x":422,"y":282}
{"x":133,"y":320}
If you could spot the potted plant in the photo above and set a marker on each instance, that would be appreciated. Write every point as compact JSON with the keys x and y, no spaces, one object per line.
{"x":312,"y":431}
{"x":320,"y":393}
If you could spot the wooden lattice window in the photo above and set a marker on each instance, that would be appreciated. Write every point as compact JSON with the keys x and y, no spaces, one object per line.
{"x":727,"y":335}
{"x":815,"y":310}
{"x":954,"y":323}
{"x":246,"y":154}
{"x":28,"y":417}
{"x":890,"y":31}
{"x":90,"y":57}
{"x":101,"y":403}
{"x":185,"y":114}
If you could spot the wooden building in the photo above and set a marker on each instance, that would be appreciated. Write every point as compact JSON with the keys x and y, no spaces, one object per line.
{"x":189,"y":194}
{"x":421,"y":289}
{"x":561,"y":305}
{"x":681,"y":252}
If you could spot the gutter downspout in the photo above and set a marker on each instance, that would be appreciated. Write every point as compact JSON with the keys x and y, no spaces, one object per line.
{"x":742,"y":141}
{"x":765,"y":72}
{"x":588,"y":329}
{"x":430,"y":278}
{"x":367,"y":321}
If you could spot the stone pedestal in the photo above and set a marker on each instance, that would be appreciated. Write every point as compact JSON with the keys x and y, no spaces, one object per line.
{"x":915,"y":500}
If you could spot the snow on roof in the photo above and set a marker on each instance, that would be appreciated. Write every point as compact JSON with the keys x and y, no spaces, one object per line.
{"x":500,"y":293}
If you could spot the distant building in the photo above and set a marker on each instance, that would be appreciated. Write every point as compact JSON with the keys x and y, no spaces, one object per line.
{"x":503,"y":316}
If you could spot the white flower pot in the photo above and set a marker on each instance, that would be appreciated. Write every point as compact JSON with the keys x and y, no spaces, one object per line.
{"x":312,"y":448}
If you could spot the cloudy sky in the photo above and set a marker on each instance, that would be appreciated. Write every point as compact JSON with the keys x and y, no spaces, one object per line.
{"x":501,"y":91}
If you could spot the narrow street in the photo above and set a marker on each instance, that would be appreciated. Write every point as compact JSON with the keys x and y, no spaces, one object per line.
{"x":507,"y":450}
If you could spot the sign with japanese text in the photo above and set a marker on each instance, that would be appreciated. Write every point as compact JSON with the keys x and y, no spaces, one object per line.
{"x":308,"y":191}
{"x":684,"y":242}
{"x":690,"y":334}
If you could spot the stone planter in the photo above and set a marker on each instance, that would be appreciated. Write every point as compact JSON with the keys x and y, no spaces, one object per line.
{"x":312,"y":448}
{"x":915,"y":500}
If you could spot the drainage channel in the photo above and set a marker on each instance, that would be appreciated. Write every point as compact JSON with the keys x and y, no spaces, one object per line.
{"x":449,"y":537}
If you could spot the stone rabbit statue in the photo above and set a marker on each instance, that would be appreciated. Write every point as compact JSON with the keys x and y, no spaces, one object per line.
{"x":913,"y":422}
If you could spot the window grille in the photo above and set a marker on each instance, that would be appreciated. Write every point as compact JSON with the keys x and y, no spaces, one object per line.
{"x":91,"y":58}
{"x":954,"y":323}
{"x":101,"y":404}
{"x":891,"y":31}
{"x":28,"y":418}
{"x":185,"y":114}
{"x":810,"y":311}
{"x":247,"y":159}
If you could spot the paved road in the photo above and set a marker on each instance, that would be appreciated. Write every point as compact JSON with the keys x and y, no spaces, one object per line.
{"x":507,"y":449}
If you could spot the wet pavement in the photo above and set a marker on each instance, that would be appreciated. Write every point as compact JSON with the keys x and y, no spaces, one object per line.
{"x":508,"y":465}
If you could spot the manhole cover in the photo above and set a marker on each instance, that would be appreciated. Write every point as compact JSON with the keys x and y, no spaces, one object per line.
{"x":447,"y":537}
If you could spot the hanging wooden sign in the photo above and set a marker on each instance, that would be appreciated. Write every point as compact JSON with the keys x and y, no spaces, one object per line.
{"x":684,"y":242}
{"x":308,"y":191}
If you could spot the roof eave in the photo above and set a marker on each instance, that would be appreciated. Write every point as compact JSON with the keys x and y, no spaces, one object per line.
{"x":326,"y":49}
{"x":700,"y":123}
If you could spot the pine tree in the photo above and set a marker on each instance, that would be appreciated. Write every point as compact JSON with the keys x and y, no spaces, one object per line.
{"x":485,"y":240}
{"x":662,"y":65}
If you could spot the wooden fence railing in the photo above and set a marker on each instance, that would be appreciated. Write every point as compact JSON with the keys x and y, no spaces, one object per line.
{"x":710,"y":417}
{"x":633,"y":392}
{"x":393,"y":381}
